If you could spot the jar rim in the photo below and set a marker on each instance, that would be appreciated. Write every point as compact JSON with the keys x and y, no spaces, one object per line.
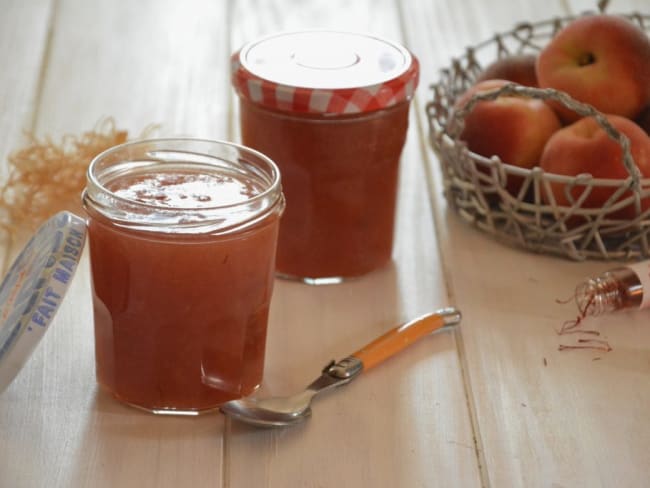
{"x":98,"y":196}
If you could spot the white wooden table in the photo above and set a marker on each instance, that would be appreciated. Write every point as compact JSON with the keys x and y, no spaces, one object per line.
{"x":494,"y":405}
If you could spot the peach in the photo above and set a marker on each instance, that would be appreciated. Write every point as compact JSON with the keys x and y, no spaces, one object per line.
{"x":511,"y":127}
{"x":519,"y":68}
{"x":602,"y":60}
{"x":585,"y":147}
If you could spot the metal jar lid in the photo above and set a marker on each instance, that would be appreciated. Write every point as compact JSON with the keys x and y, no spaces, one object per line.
{"x":34,"y":287}
{"x":324,"y":72}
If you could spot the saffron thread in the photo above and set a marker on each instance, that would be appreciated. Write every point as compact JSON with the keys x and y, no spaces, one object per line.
{"x":595,"y":341}
{"x":566,"y":347}
{"x":585,"y":331}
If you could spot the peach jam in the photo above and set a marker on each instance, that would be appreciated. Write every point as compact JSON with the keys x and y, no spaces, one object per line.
{"x":182,"y":236}
{"x":331,"y":109}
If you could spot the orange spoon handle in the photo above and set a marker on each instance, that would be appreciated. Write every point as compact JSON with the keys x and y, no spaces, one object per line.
{"x":400,"y":337}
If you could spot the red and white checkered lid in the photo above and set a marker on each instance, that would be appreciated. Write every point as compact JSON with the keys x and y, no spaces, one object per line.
{"x":324,"y":72}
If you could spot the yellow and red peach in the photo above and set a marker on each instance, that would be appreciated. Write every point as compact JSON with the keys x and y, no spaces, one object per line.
{"x":585,"y":148}
{"x":602,"y":60}
{"x":514,"y":128}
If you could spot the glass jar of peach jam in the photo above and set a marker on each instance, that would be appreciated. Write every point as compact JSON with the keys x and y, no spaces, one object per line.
{"x":331,"y":109}
{"x":182,"y":236}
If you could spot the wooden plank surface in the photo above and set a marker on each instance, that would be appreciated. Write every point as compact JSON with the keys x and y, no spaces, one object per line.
{"x":542,"y":417}
{"x":494,"y":405}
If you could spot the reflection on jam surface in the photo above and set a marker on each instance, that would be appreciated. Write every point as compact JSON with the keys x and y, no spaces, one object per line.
{"x":185,"y":189}
{"x":180,"y":320}
{"x":339,"y":177}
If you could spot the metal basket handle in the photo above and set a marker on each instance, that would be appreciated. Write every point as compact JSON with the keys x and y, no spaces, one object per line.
{"x":457,"y":119}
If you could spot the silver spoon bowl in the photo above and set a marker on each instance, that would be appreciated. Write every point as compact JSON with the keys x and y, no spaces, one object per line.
{"x":284,"y":411}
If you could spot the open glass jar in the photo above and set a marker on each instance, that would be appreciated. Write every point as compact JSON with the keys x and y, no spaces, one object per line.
{"x":182,"y":236}
{"x":331,"y":109}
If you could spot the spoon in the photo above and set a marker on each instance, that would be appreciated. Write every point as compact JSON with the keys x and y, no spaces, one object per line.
{"x":291,"y":410}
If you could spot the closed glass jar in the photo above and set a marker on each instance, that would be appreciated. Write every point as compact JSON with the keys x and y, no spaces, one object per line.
{"x":331,"y":109}
{"x":182,"y":237}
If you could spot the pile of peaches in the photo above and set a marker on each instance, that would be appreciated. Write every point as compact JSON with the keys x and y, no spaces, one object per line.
{"x":601,"y":60}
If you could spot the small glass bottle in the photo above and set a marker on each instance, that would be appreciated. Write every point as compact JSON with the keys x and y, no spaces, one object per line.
{"x":616,"y":289}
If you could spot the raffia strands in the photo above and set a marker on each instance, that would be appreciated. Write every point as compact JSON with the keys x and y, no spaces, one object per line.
{"x":45,"y":177}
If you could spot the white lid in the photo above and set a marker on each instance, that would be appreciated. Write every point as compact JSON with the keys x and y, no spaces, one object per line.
{"x":34,"y":287}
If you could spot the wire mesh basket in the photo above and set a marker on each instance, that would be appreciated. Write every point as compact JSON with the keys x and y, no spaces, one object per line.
{"x":477,"y":187}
